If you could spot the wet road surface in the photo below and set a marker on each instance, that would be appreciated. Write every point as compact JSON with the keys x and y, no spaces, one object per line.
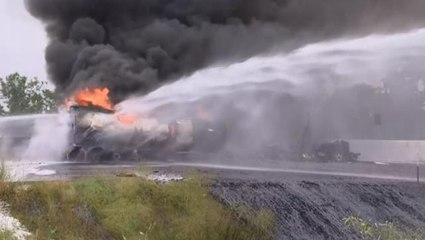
{"x":267,"y":171}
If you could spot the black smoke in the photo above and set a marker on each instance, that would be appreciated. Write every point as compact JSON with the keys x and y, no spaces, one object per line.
{"x":134,"y":46}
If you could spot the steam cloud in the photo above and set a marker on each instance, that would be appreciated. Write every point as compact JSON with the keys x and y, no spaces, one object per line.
{"x":134,"y":46}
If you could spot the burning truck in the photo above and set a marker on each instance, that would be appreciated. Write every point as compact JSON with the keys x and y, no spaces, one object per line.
{"x":100,"y":133}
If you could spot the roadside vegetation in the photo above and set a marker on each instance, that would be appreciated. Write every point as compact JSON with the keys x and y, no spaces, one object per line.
{"x":381,"y":231}
{"x":22,"y":95}
{"x":6,"y":235}
{"x":130,"y":208}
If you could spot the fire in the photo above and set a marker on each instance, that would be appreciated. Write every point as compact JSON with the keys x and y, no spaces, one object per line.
{"x":98,"y":97}
{"x":126,"y":119}
{"x":202,"y":113}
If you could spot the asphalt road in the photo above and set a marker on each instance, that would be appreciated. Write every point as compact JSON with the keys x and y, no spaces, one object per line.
{"x":273,"y":171}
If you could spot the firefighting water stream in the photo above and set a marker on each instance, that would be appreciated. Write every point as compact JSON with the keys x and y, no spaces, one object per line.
{"x":366,"y":88}
{"x":333,"y":64}
{"x":276,"y":105}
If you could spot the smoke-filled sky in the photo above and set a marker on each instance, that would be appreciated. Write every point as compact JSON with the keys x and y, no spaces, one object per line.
{"x":134,"y":46}
{"x":22,"y":42}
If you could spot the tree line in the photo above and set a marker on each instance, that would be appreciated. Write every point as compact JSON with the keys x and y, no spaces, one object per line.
{"x":22,"y":95}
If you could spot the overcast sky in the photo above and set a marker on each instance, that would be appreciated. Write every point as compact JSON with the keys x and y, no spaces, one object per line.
{"x":22,"y":41}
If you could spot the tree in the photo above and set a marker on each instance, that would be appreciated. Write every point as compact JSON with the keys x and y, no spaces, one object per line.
{"x":25,"y":96}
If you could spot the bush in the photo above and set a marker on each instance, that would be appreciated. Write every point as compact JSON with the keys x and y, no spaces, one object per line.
{"x":382,"y":231}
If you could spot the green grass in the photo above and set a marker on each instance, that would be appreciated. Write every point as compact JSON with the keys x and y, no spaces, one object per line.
{"x":381,"y":231}
{"x":131,"y":208}
{"x":3,"y":172}
{"x":6,"y":235}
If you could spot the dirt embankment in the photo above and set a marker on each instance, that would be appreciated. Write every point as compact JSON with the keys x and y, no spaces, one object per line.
{"x":315,"y":208}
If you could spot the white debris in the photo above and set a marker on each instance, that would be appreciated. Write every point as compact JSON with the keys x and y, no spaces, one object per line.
{"x":44,"y":172}
{"x":11,"y":224}
{"x":165,"y":178}
{"x":381,"y":163}
{"x":19,"y":170}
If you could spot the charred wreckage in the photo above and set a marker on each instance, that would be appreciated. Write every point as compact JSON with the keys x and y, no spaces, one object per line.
{"x":99,"y":133}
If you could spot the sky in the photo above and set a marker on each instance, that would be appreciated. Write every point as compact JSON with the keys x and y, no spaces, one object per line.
{"x":22,"y":41}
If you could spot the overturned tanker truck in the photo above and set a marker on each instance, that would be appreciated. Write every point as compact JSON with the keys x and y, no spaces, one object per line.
{"x":100,"y":134}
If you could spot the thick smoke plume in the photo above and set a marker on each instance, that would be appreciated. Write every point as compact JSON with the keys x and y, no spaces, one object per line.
{"x":134,"y":46}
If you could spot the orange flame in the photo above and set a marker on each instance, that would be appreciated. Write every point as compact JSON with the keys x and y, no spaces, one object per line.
{"x":98,"y":97}
{"x":126,"y":119}
{"x":203,"y":114}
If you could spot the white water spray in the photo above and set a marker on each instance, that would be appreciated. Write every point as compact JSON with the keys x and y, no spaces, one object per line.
{"x":49,"y":140}
{"x":339,"y":63}
{"x":365,"y":88}
{"x":31,"y":141}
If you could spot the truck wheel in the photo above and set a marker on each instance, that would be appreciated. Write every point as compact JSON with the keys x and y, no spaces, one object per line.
{"x":95,"y":154}
{"x":75,"y":154}
{"x":116,"y":156}
{"x":109,"y":156}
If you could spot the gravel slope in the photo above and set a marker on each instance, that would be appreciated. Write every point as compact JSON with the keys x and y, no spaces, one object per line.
{"x":312,"y":207}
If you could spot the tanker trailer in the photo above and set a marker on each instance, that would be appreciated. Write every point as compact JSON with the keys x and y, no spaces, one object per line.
{"x":103,"y":135}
